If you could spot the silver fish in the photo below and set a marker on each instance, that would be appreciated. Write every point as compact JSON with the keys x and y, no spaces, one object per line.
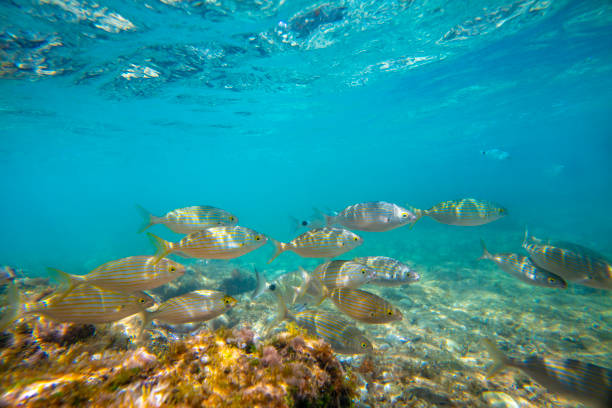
{"x":200,"y":305}
{"x":320,"y":243}
{"x":85,"y":304}
{"x":572,"y":262}
{"x":343,"y":336}
{"x":127,"y":275}
{"x":523,"y":269}
{"x":583,"y":382}
{"x":190,"y":219}
{"x":389,"y":271}
{"x":372,"y":216}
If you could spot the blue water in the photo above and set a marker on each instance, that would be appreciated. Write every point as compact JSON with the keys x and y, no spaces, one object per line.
{"x":253,"y":109}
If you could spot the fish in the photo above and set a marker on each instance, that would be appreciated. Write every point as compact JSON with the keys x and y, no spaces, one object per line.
{"x":583,"y":382}
{"x":365,"y":306}
{"x":495,"y":154}
{"x":190,"y":219}
{"x":261,"y":285}
{"x":197,"y":306}
{"x":331,"y":275}
{"x":320,"y":243}
{"x":343,"y":274}
{"x":572,"y":262}
{"x":85,"y":304}
{"x":7,"y":274}
{"x":465,"y":212}
{"x":211,"y":243}
{"x":523,"y":269}
{"x":316,"y":220}
{"x":126,"y":275}
{"x":389,"y":271}
{"x":372,"y":216}
{"x":343,"y":336}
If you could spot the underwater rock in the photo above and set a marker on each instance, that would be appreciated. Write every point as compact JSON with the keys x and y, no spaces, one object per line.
{"x":238,"y":282}
{"x":496,"y":399}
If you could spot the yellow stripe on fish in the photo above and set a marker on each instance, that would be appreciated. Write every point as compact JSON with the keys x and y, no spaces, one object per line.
{"x":523,"y":269}
{"x":365,"y":306}
{"x":89,"y":304}
{"x":577,"y":380}
{"x":131,"y":274}
{"x":211,"y":243}
{"x":190,"y":219}
{"x":389,"y":271}
{"x":343,"y":274}
{"x":339,"y":333}
{"x":320,"y":243}
{"x":372,"y":216}
{"x":465,"y":212}
{"x":572,"y":262}
{"x":197,"y":306}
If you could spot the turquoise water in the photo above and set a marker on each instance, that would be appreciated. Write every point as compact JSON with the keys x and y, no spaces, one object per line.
{"x":268,"y":109}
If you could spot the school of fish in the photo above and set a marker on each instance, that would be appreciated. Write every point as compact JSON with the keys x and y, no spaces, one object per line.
{"x":116,"y":289}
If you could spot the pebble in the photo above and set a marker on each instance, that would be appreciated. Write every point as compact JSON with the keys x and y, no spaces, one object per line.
{"x":496,"y":399}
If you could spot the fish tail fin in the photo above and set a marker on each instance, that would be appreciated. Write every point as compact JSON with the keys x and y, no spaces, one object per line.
{"x":146,"y":318}
{"x":418,"y":213}
{"x":500,"y":361}
{"x":301,"y":290}
{"x":148,"y":218}
{"x":280,"y":247}
{"x":485,"y":253}
{"x":162,"y":247}
{"x":282,"y":313}
{"x":72,"y":280}
{"x":526,"y":237}
{"x":324,"y":294}
{"x":260,"y":285}
{"x":295,"y":224}
{"x":13,"y":310}
{"x":330,"y":220}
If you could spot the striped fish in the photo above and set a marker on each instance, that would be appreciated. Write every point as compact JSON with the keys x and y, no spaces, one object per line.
{"x":389,"y":271}
{"x":465,"y":212}
{"x":365,"y":306}
{"x":372,"y":216}
{"x":85,"y":304}
{"x":211,"y":243}
{"x":190,"y":219}
{"x":197,"y":306}
{"x":320,"y":243}
{"x":523,"y":269}
{"x":339,"y":333}
{"x":572,"y":262}
{"x":584,"y":382}
{"x":126,"y":275}
{"x":343,"y":274}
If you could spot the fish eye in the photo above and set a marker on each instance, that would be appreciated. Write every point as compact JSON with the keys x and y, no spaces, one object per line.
{"x":364,"y":345}
{"x":551,"y":280}
{"x":227,"y":300}
{"x":172,"y":269}
{"x":363,"y":271}
{"x":355,"y":238}
{"x":257,"y":238}
{"x":390,"y":312}
{"x":142,"y":301}
{"x":404,"y":215}
{"x":231,"y":218}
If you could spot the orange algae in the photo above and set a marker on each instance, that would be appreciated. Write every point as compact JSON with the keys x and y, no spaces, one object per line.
{"x":223,"y":368}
